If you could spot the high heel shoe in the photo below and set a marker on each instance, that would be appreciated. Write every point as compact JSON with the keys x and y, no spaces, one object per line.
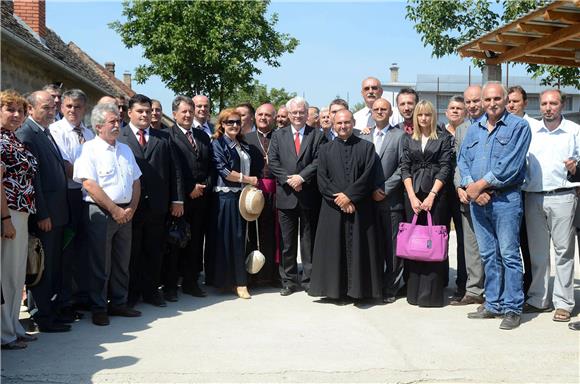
{"x":243,"y":293}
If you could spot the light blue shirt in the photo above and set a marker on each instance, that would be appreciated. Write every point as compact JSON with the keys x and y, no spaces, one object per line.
{"x":545,"y":169}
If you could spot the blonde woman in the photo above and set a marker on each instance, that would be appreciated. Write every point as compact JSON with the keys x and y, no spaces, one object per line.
{"x":425,"y":169}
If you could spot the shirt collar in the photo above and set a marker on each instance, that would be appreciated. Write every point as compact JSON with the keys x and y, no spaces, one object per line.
{"x":562,"y":126}
{"x":197,"y":124}
{"x":104,"y":145}
{"x":39,"y":126}
{"x":301,"y":130}
{"x":135,"y":129}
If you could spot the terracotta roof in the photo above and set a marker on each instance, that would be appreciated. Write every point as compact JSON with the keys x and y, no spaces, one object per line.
{"x":69,"y":55}
{"x":547,"y":35}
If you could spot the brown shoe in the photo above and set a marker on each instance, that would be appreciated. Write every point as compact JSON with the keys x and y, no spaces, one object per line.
{"x":468,"y":300}
{"x":100,"y":318}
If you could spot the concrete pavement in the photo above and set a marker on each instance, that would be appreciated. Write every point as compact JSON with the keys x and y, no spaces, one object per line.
{"x":296,"y":339}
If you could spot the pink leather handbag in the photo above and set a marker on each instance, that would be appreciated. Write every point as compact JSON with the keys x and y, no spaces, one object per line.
{"x":422,"y":242}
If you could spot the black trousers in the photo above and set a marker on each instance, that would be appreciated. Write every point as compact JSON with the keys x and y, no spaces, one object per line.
{"x":147,"y":246}
{"x":387,"y":224}
{"x":292,"y":220}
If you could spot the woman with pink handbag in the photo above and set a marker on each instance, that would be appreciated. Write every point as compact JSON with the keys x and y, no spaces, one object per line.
{"x":425,"y":168}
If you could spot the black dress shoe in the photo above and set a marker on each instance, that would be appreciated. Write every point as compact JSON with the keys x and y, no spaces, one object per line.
{"x":170,"y":295}
{"x":483,"y":314}
{"x":53,"y":328}
{"x":68,"y":315}
{"x":100,"y":318}
{"x":123,"y":311}
{"x":510,"y":321}
{"x":194,"y":291}
{"x":575,"y":325}
{"x":287,"y":291}
{"x":155,"y":299}
{"x":389,"y":299}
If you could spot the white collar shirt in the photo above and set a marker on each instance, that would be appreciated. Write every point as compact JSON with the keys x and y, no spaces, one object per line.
{"x":299,"y":131}
{"x":135,"y":131}
{"x":112,"y":167}
{"x":204,"y":127}
{"x":363,"y":119}
{"x":545,"y":170}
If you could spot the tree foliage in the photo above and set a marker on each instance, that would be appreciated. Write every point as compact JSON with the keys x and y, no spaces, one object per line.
{"x":446,"y":25}
{"x":209,"y":47}
{"x":258,"y":94}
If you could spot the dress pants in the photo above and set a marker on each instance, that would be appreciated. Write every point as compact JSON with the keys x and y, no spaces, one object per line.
{"x":473,"y":263}
{"x":109,"y":257}
{"x":290,"y":222}
{"x":551,"y":217}
{"x":14,"y":256}
{"x":455,"y":215}
{"x":387,"y":224}
{"x":147,"y":245}
{"x":46,"y":292}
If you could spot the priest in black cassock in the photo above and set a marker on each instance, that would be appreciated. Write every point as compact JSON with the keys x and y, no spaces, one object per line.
{"x":346,"y":264}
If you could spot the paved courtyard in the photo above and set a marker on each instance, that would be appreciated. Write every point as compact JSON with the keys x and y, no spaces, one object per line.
{"x":296,"y":339}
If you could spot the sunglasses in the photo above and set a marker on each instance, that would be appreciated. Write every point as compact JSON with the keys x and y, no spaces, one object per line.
{"x":233,"y":122}
{"x":374,"y":88}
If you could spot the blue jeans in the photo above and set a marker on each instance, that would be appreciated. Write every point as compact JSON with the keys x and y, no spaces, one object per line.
{"x":497,"y":228}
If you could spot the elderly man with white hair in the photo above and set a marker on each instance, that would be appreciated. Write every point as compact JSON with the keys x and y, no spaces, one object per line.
{"x":293,"y":159}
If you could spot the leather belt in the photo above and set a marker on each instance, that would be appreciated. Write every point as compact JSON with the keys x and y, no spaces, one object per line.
{"x":556,"y":191}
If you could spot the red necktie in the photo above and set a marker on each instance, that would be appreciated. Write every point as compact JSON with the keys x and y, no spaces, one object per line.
{"x":141,"y":134}
{"x":297,"y":142}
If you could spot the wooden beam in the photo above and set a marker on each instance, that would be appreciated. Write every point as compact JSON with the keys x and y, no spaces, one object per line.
{"x":572,"y":44}
{"x":546,"y":61}
{"x":504,"y":38}
{"x":569,"y":17}
{"x":492,"y":47}
{"x":543,"y":29}
{"x":555,"y":53}
{"x":563,"y":34}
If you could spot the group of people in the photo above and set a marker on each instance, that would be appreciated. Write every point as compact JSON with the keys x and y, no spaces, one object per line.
{"x":336,"y":184}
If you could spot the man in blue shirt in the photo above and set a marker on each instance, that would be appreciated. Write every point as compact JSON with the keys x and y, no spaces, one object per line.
{"x":492,"y":162}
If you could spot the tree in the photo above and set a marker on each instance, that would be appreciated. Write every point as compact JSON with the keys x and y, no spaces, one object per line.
{"x":209,"y":47}
{"x":258,"y":94}
{"x":446,"y":25}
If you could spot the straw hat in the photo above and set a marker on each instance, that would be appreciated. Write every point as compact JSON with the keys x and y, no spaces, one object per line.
{"x":254,"y":262}
{"x":251,"y":203}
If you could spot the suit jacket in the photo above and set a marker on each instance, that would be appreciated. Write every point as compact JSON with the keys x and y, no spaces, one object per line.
{"x":50,"y":183}
{"x":161,"y":176}
{"x":195,"y":165}
{"x":284,"y":161}
{"x":388,"y":166}
{"x":256,"y":153}
{"x":423,"y":167}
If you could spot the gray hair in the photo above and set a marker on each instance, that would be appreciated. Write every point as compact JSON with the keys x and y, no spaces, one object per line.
{"x":181,"y":99}
{"x":559,"y":92}
{"x":75,"y":94}
{"x":503,"y":88}
{"x":297,"y":100}
{"x":456,"y":99}
{"x":99,"y":112}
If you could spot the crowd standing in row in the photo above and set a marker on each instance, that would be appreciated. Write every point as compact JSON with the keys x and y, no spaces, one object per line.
{"x":101,"y":200}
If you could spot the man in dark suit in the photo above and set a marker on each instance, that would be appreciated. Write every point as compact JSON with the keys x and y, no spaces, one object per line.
{"x":293,"y":158}
{"x":194,"y":157}
{"x":50,"y":187}
{"x":160,"y":182}
{"x":388,"y":197}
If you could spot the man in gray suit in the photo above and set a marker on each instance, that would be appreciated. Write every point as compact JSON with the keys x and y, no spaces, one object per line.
{"x":52,"y":212}
{"x":388,"y":196}
{"x":474,"y":283}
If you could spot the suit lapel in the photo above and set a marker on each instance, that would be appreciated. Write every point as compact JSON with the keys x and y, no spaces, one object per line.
{"x":152,"y":143}
{"x":386,"y":141}
{"x":132,"y":142}
{"x":290,"y":142}
{"x":306,"y":139}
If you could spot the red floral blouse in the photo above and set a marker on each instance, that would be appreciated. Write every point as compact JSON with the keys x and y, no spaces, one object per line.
{"x":19,"y":167}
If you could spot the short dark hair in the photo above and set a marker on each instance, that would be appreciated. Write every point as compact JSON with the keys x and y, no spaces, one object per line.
{"x":338,"y":101}
{"x":57,"y":86}
{"x":408,"y":91}
{"x":139,"y":99}
{"x":562,"y":94}
{"x":249,"y":106}
{"x":517,"y":88}
{"x":181,"y":99}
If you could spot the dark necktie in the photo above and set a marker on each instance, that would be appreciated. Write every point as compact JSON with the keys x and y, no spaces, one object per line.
{"x":141,"y":134}
{"x":79,"y":131}
{"x":191,"y":140}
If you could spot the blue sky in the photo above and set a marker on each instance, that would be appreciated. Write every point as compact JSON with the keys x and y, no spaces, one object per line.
{"x":340,"y":44}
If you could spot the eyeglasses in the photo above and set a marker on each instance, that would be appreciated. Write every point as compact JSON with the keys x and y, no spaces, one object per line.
{"x":373,"y":87}
{"x":233,"y":122}
{"x":298,"y":113}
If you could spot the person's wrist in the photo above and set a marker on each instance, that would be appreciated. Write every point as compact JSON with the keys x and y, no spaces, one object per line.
{"x":6,"y":217}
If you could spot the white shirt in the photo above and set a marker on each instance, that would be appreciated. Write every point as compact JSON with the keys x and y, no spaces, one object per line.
{"x":363,"y":119}
{"x":204,"y":127}
{"x":379,"y":138}
{"x":534,"y":124}
{"x":68,"y":143}
{"x":113,"y":168}
{"x":300,"y":133}
{"x":545,"y":170}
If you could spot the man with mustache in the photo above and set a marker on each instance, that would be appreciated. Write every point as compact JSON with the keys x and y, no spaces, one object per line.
{"x":111,"y":190}
{"x":371,"y":90}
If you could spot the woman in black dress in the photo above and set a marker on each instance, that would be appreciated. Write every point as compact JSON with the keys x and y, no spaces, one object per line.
{"x":425,"y":169}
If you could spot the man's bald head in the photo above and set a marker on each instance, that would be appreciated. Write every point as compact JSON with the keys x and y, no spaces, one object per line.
{"x":265,"y":117}
{"x":107,"y":100}
{"x":472,"y":97}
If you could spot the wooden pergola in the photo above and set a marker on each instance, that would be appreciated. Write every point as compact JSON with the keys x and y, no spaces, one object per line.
{"x":548,"y":35}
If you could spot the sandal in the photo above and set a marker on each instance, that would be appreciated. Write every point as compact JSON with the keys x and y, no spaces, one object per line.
{"x":561,"y":315}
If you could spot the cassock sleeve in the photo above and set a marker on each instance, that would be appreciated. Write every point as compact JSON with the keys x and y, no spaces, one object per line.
{"x":362,"y":187}
{"x":325,"y":185}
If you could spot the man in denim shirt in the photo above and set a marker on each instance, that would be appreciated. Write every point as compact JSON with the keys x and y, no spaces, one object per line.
{"x":492,"y":162}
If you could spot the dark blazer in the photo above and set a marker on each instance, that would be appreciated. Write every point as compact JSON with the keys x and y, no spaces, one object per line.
{"x":195,"y":166}
{"x":425,"y":167}
{"x":258,"y":161}
{"x":50,"y":183}
{"x":226,"y":159}
{"x":388,"y":166}
{"x":284,"y":161}
{"x":161,"y":176}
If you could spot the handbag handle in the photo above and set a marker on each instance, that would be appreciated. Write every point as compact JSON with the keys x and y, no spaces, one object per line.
{"x":429,"y":221}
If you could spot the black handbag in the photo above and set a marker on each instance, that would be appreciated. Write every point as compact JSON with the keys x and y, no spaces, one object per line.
{"x":179,"y":232}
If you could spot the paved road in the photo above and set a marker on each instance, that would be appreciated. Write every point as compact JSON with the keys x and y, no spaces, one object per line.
{"x":296,"y":339}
